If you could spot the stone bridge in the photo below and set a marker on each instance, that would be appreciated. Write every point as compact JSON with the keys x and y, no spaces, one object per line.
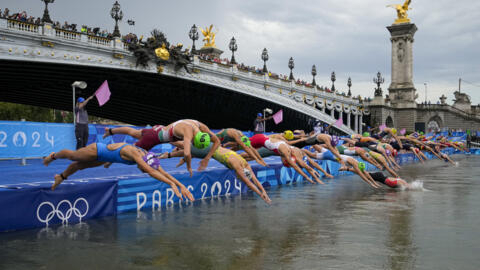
{"x":39,"y":63}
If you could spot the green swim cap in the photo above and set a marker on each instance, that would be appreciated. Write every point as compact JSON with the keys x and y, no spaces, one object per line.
{"x":201,"y":140}
{"x":246,"y":141}
{"x":366,"y":134}
{"x":361,"y":166}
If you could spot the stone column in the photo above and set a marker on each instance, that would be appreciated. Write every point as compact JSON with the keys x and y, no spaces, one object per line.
{"x":348,"y":120}
{"x":332,"y":112}
{"x":401,"y":90}
{"x":360,"y":124}
{"x":356,"y":123}
{"x":341,"y":115}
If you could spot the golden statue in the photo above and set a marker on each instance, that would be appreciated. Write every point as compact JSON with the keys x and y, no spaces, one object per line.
{"x":162,"y":52}
{"x":209,"y":37}
{"x":402,"y":12}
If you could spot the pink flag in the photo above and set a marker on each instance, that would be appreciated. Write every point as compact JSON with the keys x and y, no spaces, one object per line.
{"x":402,"y":131}
{"x":278,"y":117}
{"x":382,"y":127}
{"x":103,"y":93}
{"x":339,"y":122}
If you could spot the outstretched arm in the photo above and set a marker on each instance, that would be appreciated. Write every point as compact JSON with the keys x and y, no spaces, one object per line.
{"x":216,"y":144}
{"x":156,"y":174}
{"x":297,"y":169}
{"x":250,"y":151}
{"x":318,"y":167}
{"x":83,"y":104}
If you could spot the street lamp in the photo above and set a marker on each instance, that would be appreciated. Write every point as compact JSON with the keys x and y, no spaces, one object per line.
{"x":265,"y":59}
{"x":378,"y":80}
{"x":425,"y":92}
{"x":333,"y":78}
{"x":193,"y":34}
{"x":81,"y":85}
{"x":291,"y":65}
{"x":233,"y":47}
{"x":46,"y":16}
{"x":265,"y":111}
{"x":349,"y":84}
{"x":117,"y":15}
{"x":314,"y":73}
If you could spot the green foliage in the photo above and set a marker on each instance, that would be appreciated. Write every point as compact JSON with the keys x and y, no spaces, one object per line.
{"x":17,"y":112}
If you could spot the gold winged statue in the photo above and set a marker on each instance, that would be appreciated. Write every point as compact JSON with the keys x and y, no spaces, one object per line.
{"x":402,"y":12}
{"x":209,"y":37}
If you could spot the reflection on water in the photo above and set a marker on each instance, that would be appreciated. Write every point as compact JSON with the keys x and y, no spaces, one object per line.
{"x":341,"y":225}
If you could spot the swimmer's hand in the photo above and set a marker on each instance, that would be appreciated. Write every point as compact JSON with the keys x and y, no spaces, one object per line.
{"x":175,"y":189}
{"x":263,"y":163}
{"x":329,"y":175}
{"x":310,"y":180}
{"x":107,"y":165}
{"x":203,"y":165}
{"x":265,"y":197}
{"x":164,"y":156}
{"x":180,"y":163}
{"x":186,"y":193}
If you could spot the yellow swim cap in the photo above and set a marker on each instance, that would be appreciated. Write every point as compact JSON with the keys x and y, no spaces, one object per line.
{"x":394,"y":131}
{"x":288,"y":134}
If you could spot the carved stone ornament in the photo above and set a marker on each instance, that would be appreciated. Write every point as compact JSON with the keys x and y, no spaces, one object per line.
{"x":401,"y":51}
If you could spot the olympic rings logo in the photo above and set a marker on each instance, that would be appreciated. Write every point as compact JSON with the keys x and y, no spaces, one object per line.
{"x":63,"y":216}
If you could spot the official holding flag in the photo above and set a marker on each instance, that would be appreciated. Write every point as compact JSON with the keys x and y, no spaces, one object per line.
{"x":81,"y":121}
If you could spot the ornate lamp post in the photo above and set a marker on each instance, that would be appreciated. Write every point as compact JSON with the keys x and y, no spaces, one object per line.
{"x":233,"y":47}
{"x":333,"y":78}
{"x":378,"y":80}
{"x":291,"y":65}
{"x":117,"y":15}
{"x":46,"y":16}
{"x":265,"y":59}
{"x":314,"y":73}
{"x":193,"y":34}
{"x":349,"y":84}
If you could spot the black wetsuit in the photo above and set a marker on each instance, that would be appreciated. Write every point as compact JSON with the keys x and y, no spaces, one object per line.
{"x":378,"y":176}
{"x":379,"y":135}
{"x":312,"y":140}
{"x":364,"y":144}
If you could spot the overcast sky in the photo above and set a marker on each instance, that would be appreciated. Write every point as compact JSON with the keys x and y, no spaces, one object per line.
{"x":348,"y":36}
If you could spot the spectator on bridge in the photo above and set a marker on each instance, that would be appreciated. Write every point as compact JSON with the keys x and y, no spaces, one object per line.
{"x":259,"y":123}
{"x":81,"y":122}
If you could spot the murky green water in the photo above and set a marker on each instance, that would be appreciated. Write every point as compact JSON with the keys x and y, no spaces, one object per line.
{"x":342,"y":225}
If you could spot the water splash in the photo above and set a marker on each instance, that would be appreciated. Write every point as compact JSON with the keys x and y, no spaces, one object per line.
{"x":416,"y":185}
{"x":456,"y":164}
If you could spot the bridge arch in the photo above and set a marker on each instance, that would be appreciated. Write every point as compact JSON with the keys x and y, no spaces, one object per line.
{"x":435,"y":123}
{"x":389,"y":122}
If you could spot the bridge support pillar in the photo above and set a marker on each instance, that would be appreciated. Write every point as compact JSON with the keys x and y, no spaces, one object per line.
{"x":332,"y":112}
{"x":356,"y":123}
{"x":341,"y":115}
{"x":360,"y":126}
{"x":348,"y":120}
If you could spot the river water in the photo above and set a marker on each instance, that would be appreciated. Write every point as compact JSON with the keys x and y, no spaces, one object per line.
{"x":341,"y":225}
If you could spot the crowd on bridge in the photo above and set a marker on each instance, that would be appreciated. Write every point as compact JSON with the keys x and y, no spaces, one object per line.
{"x":19,"y":16}
{"x":23,"y":17}
{"x":296,"y":149}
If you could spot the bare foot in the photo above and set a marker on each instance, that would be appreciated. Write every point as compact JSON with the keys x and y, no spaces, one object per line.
{"x":106,"y":133}
{"x":107,"y":165}
{"x":48,"y":159}
{"x":58,"y":180}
